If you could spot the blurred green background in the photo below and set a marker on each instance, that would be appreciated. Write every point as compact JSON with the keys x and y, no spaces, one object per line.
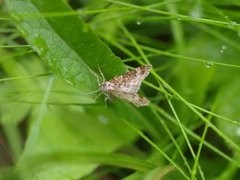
{"x":52,"y":127}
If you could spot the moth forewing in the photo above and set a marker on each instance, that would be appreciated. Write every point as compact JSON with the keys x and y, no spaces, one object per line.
{"x":127,"y":85}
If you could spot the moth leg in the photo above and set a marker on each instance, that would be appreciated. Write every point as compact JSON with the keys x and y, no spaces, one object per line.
{"x":93,"y":92}
{"x":105,"y":100}
{"x":98,"y":96}
{"x":136,"y":104}
{"x":107,"y":97}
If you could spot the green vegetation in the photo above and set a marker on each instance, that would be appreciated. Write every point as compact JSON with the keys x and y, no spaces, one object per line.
{"x":52,"y":125}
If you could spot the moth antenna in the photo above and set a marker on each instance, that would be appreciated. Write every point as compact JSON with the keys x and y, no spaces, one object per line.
{"x":101,"y":73}
{"x":93,"y":73}
{"x":98,"y":84}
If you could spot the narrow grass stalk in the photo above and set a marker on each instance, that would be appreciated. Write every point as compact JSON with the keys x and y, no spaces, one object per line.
{"x":34,"y":131}
{"x":171,"y":137}
{"x":156,"y":147}
{"x":234,"y":122}
{"x":177,"y":16}
{"x":135,"y":44}
{"x":197,"y":137}
{"x":196,"y":162}
{"x":236,"y":146}
{"x":185,"y":136}
{"x":181,"y":57}
{"x":23,"y":77}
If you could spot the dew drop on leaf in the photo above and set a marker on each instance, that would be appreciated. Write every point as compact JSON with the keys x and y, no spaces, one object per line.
{"x":238,"y":32}
{"x":238,"y":131}
{"x":226,"y":17}
{"x":209,"y":64}
{"x":178,"y":18}
{"x":40,"y":45}
{"x":139,"y":21}
{"x":232,"y":24}
{"x":69,"y":82}
{"x":196,"y":12}
{"x":223,"y":48}
{"x":102,"y":119}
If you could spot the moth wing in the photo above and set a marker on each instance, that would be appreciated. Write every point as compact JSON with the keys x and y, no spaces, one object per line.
{"x":131,"y":81}
{"x":130,"y":97}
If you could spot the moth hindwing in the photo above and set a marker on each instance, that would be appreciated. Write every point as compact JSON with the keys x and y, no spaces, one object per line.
{"x":127,"y":85}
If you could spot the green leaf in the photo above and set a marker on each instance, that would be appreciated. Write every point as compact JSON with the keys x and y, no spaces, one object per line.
{"x":67,"y":134}
{"x":228,"y":105}
{"x":10,"y":88}
{"x":68,"y":46}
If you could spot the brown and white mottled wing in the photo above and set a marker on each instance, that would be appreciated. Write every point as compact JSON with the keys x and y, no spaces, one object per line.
{"x":131,"y":81}
{"x":130,"y":97}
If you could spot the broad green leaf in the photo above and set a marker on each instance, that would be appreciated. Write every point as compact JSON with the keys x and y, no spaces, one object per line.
{"x":228,"y":105}
{"x":70,"y":49}
{"x":10,"y":89}
{"x":67,"y":45}
{"x":65,"y":131}
{"x":13,"y":112}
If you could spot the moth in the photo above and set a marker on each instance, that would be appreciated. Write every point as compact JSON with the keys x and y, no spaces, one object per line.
{"x":127,"y":85}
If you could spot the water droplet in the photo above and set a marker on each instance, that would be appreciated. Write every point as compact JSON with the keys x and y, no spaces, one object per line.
{"x":40,"y":45}
{"x":102,"y":119}
{"x":178,"y":18}
{"x":35,"y":35}
{"x":139,"y":21}
{"x":238,"y":131}
{"x":223,"y":48}
{"x":238,"y":31}
{"x":232,"y":24}
{"x":69,"y":82}
{"x":196,"y":12}
{"x":209,"y":64}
